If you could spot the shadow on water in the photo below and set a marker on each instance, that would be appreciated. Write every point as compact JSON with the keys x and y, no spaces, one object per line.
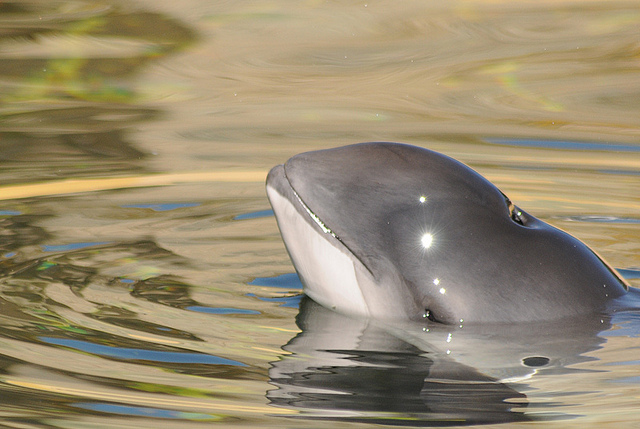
{"x":67,"y":70}
{"x":346,"y":369}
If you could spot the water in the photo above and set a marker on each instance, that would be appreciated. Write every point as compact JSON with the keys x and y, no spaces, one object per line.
{"x":143,"y":279}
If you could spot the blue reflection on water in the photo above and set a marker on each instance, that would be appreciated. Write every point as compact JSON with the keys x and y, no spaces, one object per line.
{"x":10,"y":213}
{"x":221,"y":310}
{"x":161,"y":207}
{"x":629,"y":274}
{"x":601,"y":219}
{"x":565,"y":144}
{"x":141,"y":354}
{"x":287,"y":301}
{"x":72,"y":246}
{"x":144,"y":411}
{"x":626,"y":323}
{"x":630,"y":380}
{"x":286,"y":281}
{"x":621,"y":172}
{"x":254,"y":215}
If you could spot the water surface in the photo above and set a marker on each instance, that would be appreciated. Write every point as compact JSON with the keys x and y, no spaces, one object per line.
{"x":143,"y":281}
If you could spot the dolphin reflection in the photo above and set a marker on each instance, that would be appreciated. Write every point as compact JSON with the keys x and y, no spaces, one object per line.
{"x":347,"y":369}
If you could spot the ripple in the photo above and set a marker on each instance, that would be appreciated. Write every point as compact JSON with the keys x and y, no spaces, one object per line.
{"x":535,"y":68}
{"x":286,"y":281}
{"x":628,"y":273}
{"x":74,"y":46}
{"x":71,"y":246}
{"x":621,"y":172}
{"x":601,"y":219}
{"x":254,"y":215}
{"x":292,"y":301}
{"x":565,"y":145}
{"x":139,"y":411}
{"x":140,"y":354}
{"x":220,"y":310}
{"x":20,"y":14}
{"x":161,"y":207}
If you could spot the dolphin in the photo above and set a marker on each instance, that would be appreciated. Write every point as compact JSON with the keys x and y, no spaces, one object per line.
{"x":398,"y":232}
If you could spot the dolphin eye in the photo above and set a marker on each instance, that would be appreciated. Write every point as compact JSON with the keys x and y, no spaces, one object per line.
{"x":515,"y":213}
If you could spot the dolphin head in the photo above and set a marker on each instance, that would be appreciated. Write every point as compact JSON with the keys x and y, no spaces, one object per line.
{"x":399,"y":232}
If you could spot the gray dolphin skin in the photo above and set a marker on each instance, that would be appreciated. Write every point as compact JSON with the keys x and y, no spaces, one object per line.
{"x":398,"y":232}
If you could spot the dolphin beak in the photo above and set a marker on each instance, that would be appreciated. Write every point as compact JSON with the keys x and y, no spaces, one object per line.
{"x":329,"y":271}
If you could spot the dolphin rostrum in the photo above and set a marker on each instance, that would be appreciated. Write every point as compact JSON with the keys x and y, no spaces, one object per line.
{"x":399,"y":232}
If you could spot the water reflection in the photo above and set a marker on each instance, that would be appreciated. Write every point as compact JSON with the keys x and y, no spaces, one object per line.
{"x":97,"y":327}
{"x":66,"y":69}
{"x":95,"y":88}
{"x":33,"y":289}
{"x":346,"y":369}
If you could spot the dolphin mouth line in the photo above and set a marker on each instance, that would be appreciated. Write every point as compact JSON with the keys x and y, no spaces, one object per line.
{"x":315,"y":217}
{"x":310,"y":212}
{"x":321,"y":224}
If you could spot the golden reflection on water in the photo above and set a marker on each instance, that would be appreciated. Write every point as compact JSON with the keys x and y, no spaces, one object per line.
{"x":143,"y":131}
{"x":50,"y":188}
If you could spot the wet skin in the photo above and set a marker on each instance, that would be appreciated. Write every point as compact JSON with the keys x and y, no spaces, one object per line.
{"x":398,"y":232}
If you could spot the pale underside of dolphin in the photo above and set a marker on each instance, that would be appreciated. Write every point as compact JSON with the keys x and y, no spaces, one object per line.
{"x":393,"y":231}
